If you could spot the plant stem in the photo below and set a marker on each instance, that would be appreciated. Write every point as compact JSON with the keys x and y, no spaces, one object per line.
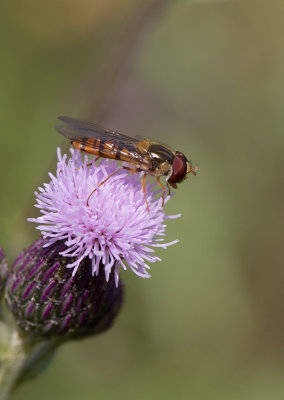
{"x":21,"y":360}
{"x":13,"y":358}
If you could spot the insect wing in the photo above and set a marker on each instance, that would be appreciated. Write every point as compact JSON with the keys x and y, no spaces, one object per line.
{"x":75,"y":129}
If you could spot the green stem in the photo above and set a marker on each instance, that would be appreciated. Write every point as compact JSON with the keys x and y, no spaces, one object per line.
{"x":20,"y":360}
{"x":13,"y":358}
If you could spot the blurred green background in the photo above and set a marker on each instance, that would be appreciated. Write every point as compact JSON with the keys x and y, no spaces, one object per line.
{"x":206,"y":77}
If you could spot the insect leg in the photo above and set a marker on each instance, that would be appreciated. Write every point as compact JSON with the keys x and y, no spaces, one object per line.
{"x":143,"y":184}
{"x":93,"y":161}
{"x":102,"y":182}
{"x":89,"y":164}
{"x":144,"y":191}
{"x":164,"y":190}
{"x":130,"y":169}
{"x":169,"y":188}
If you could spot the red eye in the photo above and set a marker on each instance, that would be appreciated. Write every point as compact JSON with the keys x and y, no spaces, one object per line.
{"x":179,"y":171}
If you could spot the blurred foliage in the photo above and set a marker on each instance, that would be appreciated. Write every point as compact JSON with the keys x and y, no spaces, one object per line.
{"x":207,"y":78}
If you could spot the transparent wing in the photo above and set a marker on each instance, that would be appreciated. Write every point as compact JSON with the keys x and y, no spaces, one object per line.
{"x":75,"y":129}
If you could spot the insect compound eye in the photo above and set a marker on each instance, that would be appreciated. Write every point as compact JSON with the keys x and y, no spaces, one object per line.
{"x":179,"y":169}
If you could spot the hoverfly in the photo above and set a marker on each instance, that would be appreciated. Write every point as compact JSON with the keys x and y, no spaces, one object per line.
{"x":143,"y":155}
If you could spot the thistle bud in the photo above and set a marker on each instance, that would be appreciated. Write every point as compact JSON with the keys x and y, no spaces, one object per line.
{"x":3,"y":271}
{"x":48,"y":300}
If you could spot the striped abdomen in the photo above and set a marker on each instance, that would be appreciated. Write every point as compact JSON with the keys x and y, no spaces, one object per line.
{"x":112,"y":149}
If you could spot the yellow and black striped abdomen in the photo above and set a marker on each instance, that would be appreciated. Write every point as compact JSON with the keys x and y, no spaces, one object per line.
{"x":108,"y":149}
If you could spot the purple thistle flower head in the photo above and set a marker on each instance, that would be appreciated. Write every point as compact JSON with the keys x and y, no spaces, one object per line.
{"x":113,"y":228}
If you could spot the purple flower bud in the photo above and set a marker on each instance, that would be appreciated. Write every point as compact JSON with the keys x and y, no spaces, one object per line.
{"x":48,"y":301}
{"x":3,"y":271}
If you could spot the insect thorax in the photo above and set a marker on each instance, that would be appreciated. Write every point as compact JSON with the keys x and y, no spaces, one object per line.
{"x":161,"y":159}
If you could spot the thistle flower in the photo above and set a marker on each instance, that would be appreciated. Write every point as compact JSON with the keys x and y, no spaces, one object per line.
{"x":113,"y":228}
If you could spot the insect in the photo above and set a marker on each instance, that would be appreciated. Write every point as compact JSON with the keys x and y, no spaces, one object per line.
{"x":142,"y":155}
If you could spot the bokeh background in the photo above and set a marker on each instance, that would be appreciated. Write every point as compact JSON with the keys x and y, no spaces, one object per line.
{"x":206,"y":77}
